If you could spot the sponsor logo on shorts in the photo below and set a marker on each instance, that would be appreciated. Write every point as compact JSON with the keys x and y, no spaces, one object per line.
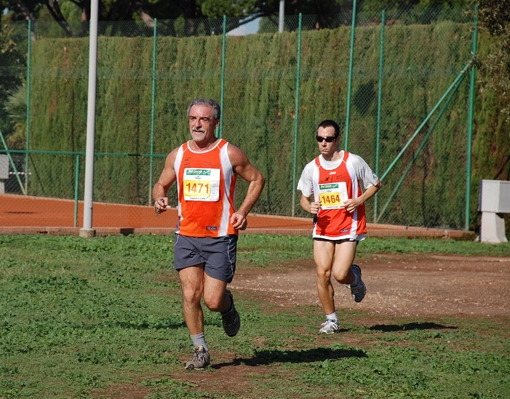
{"x":211,"y":228}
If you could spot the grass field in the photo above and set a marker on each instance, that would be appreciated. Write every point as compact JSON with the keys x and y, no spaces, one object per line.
{"x":101,"y":318}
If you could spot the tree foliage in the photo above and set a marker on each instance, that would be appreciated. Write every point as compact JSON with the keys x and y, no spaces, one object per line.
{"x":66,"y":12}
{"x":411,"y":3}
{"x":494,"y":15}
{"x":11,"y":64}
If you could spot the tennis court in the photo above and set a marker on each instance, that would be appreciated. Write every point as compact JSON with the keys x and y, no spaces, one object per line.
{"x":35,"y":215}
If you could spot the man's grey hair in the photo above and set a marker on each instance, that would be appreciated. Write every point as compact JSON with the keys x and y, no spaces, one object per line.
{"x":207,"y":101}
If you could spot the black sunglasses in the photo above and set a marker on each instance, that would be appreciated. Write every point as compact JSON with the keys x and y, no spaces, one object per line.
{"x":328,"y":139}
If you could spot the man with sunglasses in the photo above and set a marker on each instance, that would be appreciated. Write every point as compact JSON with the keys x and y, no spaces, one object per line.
{"x":331,"y":190}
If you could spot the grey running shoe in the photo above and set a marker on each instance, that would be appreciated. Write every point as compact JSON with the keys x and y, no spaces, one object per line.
{"x":329,"y":327}
{"x":231,"y":319}
{"x":358,"y":292}
{"x":201,"y":359}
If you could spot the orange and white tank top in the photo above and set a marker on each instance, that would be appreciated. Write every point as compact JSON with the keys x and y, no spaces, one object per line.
{"x":332,"y":187}
{"x":206,"y":191}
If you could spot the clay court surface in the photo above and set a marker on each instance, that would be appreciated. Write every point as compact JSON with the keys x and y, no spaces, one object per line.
{"x":26,"y":214}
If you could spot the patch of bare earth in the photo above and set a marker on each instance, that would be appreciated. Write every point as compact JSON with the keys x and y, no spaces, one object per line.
{"x":397,"y":285}
{"x":420,"y":287}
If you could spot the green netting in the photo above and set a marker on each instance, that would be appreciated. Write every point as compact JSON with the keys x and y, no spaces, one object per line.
{"x":142,"y":98}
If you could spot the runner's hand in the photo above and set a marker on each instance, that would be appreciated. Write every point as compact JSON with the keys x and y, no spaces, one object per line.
{"x":314,"y":207}
{"x":160,"y":205}
{"x":239,"y":221}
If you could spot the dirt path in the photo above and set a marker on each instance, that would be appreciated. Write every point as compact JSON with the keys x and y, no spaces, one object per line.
{"x":417,"y":287}
{"x":397,"y":285}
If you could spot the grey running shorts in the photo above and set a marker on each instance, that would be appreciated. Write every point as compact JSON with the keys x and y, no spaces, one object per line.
{"x":218,"y":254}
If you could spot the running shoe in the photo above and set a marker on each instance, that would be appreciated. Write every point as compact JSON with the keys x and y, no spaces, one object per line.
{"x":329,"y":327}
{"x":201,"y":359}
{"x":358,"y":292}
{"x":231,"y":319}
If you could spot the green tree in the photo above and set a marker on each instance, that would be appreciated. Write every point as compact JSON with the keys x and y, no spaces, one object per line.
{"x":16,"y":109}
{"x":66,"y":12}
{"x":494,"y":67}
{"x":72,"y":13}
{"x":324,"y":10}
{"x":11,"y":69}
{"x":494,"y":16}
{"x":410,"y":3}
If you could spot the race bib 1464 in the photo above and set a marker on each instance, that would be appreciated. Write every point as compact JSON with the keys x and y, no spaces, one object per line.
{"x":333,"y":195}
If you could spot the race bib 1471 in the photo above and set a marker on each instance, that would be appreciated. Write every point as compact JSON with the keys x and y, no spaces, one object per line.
{"x":201,"y":184}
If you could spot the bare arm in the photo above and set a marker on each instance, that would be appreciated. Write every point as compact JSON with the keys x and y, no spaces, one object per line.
{"x":309,"y":206}
{"x":166,"y":179}
{"x":243,"y":167}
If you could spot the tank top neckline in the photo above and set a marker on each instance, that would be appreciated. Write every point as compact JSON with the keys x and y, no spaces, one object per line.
{"x":216,"y":144}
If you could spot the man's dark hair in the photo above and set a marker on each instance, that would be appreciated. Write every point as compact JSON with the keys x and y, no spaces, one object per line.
{"x":206,"y":101}
{"x":330,"y":123}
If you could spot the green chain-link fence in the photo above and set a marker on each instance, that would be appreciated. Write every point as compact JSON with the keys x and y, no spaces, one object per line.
{"x":400,"y":94}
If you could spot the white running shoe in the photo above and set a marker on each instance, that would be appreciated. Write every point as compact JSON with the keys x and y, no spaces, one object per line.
{"x":329,"y":327}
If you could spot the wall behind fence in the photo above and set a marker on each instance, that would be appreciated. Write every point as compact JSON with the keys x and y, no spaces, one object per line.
{"x":261,"y":82}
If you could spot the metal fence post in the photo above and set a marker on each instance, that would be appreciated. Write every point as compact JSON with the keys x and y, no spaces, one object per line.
{"x":222,"y":83}
{"x":349,"y":86}
{"x":76,"y":188}
{"x":296,"y":124}
{"x":379,"y":106}
{"x":470,"y":121}
{"x":87,"y":231}
{"x":27,"y":132}
{"x":153,"y":111}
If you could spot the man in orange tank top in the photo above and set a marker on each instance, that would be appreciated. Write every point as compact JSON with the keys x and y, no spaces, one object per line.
{"x":205,"y":170}
{"x":331,"y":190}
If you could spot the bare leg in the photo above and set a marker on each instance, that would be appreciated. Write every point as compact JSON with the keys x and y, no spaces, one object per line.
{"x":214,"y":294}
{"x":344,"y":256}
{"x":323,"y":254}
{"x":332,"y":258}
{"x":192,"y":284}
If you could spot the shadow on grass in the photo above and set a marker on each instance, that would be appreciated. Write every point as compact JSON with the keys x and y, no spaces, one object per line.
{"x":410,"y":326}
{"x":137,"y":325}
{"x":266,"y":357}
